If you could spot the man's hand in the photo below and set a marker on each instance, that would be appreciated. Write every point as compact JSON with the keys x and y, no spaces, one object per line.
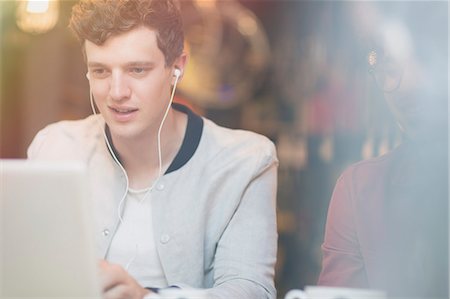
{"x":116,"y":283}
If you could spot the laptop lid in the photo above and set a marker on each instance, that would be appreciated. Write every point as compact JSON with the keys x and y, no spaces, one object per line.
{"x":46,"y":236}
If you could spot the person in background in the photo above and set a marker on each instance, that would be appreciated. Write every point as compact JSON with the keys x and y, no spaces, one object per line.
{"x":387,"y":224}
{"x":178,"y":201}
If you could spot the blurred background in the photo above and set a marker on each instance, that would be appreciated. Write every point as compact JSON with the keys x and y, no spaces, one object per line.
{"x":295,"y":71}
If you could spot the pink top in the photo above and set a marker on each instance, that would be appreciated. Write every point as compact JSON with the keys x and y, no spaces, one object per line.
{"x":387,"y":226}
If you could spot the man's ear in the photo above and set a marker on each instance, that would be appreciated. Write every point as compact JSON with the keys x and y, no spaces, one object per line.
{"x":180,"y":63}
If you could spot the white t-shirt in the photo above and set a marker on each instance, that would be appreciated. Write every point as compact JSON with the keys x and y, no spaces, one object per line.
{"x":133,"y":245}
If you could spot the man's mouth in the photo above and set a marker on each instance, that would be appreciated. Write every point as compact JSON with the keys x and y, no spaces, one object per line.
{"x":123,"y":110}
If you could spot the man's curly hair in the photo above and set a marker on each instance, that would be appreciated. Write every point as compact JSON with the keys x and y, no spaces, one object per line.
{"x":97,"y":20}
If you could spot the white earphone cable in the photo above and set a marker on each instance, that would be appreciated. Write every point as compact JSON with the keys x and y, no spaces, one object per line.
{"x":122,"y":200}
{"x":161,"y":125}
{"x":112,"y":154}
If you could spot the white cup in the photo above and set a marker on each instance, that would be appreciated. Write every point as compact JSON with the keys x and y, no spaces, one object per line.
{"x":319,"y":292}
{"x":175,"y":293}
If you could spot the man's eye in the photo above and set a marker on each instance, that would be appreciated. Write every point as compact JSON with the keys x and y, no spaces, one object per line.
{"x":99,"y":73}
{"x":138,"y":70}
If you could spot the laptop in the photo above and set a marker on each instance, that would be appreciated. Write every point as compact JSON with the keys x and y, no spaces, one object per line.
{"x":46,"y":236}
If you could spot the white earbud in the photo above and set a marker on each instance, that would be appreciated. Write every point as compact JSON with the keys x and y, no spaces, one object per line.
{"x":87,"y":76}
{"x":177,"y":72}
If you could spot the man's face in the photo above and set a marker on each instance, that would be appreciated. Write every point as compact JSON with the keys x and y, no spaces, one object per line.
{"x":130,"y":82}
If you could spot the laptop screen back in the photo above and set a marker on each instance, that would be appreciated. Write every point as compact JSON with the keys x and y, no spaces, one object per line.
{"x":47,"y":246}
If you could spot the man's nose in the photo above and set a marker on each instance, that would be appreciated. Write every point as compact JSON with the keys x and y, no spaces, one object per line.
{"x":119,"y":89}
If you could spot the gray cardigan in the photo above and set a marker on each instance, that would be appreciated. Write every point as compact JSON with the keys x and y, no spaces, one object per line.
{"x":214,"y":218}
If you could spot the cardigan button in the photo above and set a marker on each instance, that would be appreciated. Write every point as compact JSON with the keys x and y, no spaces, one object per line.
{"x":164,"y":239}
{"x":160,"y":186}
{"x":105,"y":232}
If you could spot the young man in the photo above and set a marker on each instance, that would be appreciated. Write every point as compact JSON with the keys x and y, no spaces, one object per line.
{"x":178,"y":201}
{"x":387,"y":225}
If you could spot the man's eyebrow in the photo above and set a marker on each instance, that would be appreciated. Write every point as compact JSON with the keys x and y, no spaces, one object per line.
{"x":95,"y":64}
{"x":129,"y":64}
{"x":140,"y":63}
